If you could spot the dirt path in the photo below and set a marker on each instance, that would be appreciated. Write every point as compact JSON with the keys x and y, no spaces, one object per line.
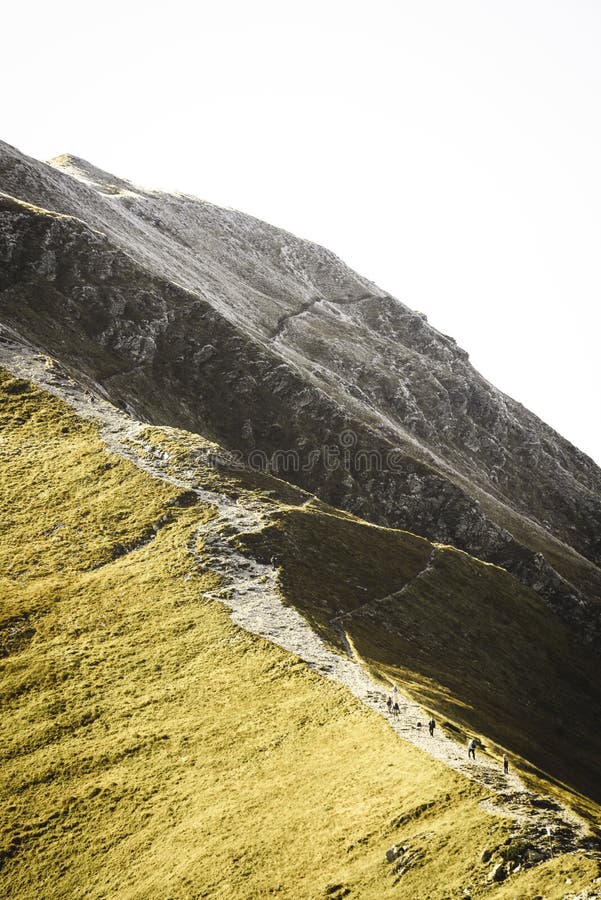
{"x":250,"y":590}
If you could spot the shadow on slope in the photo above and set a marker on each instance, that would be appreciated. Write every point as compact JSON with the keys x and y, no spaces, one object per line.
{"x":463,"y":637}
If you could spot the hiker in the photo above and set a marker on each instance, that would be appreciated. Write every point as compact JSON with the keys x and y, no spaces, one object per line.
{"x":395,"y":708}
{"x":431,"y":727}
{"x":471,"y":749}
{"x":389,"y":703}
{"x":505,"y":765}
{"x":275,"y":562}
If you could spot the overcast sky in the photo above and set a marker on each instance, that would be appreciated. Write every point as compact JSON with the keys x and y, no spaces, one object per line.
{"x":449,"y":150}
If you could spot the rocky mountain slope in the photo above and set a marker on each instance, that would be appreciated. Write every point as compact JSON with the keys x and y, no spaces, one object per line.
{"x":208,"y":319}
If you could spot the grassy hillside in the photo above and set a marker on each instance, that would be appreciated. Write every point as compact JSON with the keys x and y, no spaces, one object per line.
{"x":150,"y":748}
{"x":464,"y":637}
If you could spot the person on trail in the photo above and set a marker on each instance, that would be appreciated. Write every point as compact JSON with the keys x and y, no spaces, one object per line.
{"x":471,"y":749}
{"x":505,"y":765}
{"x":395,"y":708}
{"x":431,"y":726}
{"x":389,"y":703}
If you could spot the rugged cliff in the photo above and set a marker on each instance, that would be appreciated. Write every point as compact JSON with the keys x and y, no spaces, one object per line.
{"x":205,"y":318}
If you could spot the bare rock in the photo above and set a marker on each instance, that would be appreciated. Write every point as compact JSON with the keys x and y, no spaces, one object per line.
{"x":497,"y":873}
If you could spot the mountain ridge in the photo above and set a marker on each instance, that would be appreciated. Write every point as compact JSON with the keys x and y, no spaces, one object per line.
{"x":285,"y":347}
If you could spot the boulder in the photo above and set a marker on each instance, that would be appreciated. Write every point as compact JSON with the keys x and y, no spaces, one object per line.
{"x":393,"y":853}
{"x":497,"y":873}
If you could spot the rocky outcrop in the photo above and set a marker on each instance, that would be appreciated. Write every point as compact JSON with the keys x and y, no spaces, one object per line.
{"x":210,"y":320}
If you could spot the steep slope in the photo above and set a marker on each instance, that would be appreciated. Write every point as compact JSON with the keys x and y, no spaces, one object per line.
{"x":464,"y":637}
{"x":153,"y":748}
{"x":210,"y":320}
{"x":358,"y":344}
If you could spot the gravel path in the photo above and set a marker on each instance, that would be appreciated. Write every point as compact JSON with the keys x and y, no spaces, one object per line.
{"x":250,"y":590}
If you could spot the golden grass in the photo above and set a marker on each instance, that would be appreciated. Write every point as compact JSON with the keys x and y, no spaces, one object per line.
{"x":150,"y":748}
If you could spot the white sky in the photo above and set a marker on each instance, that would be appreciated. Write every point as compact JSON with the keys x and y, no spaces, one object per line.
{"x":448,"y":149}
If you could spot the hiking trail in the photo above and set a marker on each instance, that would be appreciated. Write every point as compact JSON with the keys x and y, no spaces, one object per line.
{"x":250,"y":590}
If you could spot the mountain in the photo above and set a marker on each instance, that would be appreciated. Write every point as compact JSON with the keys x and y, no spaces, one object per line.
{"x":210,"y":320}
{"x":202,"y":411}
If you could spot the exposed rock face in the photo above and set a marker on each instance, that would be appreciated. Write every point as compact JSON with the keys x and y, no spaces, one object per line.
{"x":206,"y":318}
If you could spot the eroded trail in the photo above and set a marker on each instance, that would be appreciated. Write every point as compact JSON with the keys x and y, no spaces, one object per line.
{"x":250,"y":590}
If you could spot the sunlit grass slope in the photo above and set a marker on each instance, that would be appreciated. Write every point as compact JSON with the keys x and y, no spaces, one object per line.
{"x":151,"y":749}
